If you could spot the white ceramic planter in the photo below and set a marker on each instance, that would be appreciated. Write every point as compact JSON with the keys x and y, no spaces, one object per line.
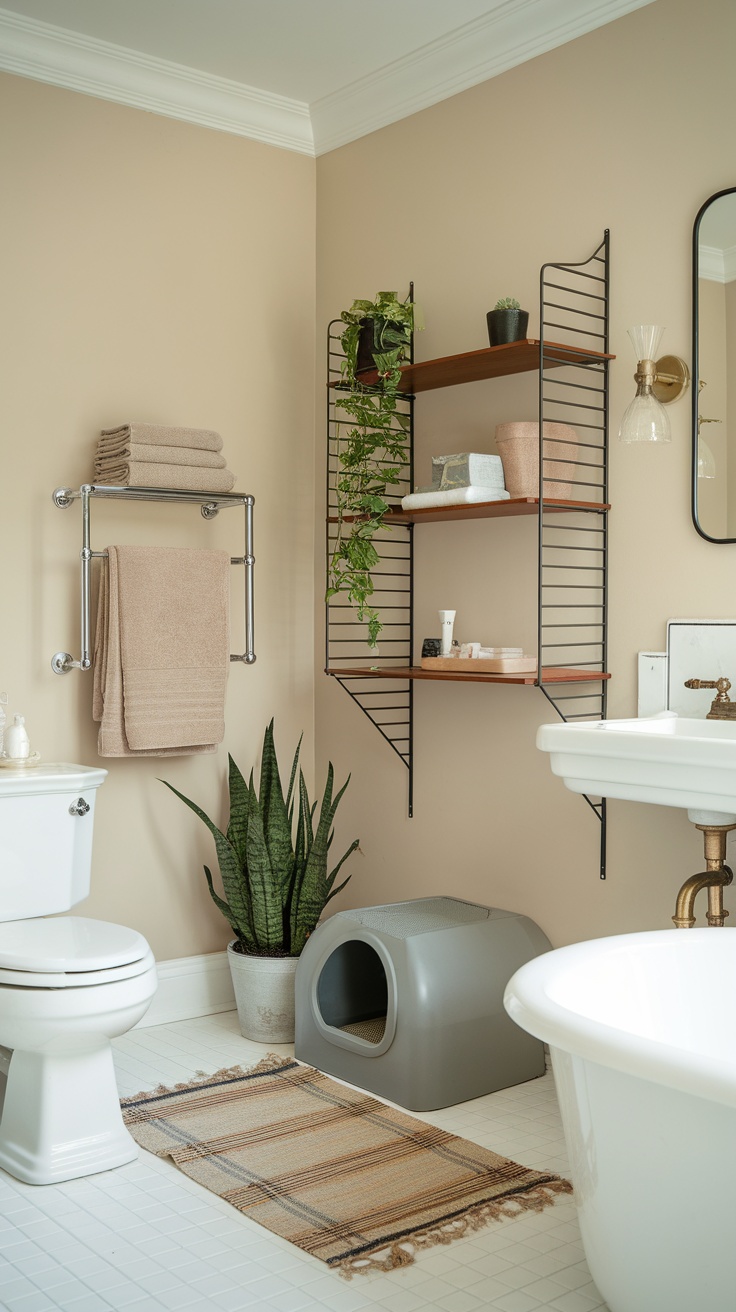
{"x":264,"y":995}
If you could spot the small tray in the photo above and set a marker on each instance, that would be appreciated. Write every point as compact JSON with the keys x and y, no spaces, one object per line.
{"x":482,"y":664}
{"x":22,"y":762}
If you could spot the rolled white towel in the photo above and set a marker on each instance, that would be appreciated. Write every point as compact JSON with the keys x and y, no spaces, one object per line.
{"x":456,"y":496}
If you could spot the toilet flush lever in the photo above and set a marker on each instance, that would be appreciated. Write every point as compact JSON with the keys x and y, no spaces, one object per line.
{"x":80,"y":807}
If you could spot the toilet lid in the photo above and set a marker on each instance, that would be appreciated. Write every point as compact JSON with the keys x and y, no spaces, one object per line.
{"x":69,"y":945}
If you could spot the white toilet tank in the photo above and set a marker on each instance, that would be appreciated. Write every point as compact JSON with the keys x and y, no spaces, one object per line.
{"x":46,"y":822}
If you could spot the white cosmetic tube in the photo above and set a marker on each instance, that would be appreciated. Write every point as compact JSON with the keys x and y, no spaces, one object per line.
{"x":447,"y":620}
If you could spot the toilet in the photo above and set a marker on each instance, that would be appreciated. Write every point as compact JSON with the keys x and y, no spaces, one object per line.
{"x":68,"y":984}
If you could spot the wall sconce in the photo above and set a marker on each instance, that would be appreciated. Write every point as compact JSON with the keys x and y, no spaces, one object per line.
{"x":657,"y":383}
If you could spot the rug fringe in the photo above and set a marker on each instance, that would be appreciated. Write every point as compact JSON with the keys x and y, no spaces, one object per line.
{"x":403,"y":1252}
{"x":270,"y":1062}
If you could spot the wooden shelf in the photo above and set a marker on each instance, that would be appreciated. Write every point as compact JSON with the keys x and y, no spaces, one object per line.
{"x":483,"y":510}
{"x":492,"y":362}
{"x":489,"y":510}
{"x":550,"y":674}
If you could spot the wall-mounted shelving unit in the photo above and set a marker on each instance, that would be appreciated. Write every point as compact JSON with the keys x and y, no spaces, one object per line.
{"x":572,"y":535}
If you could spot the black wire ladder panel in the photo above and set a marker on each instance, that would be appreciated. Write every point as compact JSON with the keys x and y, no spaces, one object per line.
{"x":573,"y":547}
{"x":388,"y":702}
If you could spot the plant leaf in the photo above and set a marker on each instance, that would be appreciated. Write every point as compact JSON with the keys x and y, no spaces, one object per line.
{"x":236,"y":892}
{"x":275,"y":817}
{"x":264,"y":886}
{"x":237,"y":829}
{"x":331,"y":877}
{"x":314,"y":890}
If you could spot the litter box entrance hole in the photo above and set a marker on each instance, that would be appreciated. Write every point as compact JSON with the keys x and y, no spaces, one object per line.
{"x":352,"y":991}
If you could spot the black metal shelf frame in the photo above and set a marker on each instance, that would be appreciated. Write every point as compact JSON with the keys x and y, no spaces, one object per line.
{"x":572,"y":567}
{"x":572,"y":592}
{"x":390,"y":706}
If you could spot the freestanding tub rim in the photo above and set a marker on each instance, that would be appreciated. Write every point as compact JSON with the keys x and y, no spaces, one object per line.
{"x":532,"y":999}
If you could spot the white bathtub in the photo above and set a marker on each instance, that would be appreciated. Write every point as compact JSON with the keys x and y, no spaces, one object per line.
{"x":642,"y":1030}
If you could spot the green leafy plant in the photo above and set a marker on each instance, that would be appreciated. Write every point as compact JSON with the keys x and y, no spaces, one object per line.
{"x":392,"y":322}
{"x":507,"y":303}
{"x":372,"y":451}
{"x":275,"y":888}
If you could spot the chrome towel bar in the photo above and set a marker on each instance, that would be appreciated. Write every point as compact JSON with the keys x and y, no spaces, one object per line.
{"x":210,"y":504}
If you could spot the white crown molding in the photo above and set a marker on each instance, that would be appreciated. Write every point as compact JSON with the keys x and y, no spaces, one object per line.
{"x":729,"y":263}
{"x":717,"y":265}
{"x":515,"y":31}
{"x":711,"y":264}
{"x":98,"y":68}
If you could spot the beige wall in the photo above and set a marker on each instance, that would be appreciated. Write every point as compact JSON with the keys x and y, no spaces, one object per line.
{"x":157,"y":271}
{"x":161,"y":271}
{"x":468,"y":198}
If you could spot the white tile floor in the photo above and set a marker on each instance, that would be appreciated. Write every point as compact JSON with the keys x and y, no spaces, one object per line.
{"x":145,"y":1238}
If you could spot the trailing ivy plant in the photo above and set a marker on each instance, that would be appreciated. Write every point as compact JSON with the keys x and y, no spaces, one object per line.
{"x":372,"y":451}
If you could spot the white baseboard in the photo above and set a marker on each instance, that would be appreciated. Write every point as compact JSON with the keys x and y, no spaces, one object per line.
{"x":190,"y":987}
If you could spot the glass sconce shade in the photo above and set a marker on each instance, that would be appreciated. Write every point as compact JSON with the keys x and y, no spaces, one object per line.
{"x":706,"y":460}
{"x":645,"y":339}
{"x":645,"y":419}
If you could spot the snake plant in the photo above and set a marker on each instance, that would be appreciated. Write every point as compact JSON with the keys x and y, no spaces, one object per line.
{"x":275,"y":889}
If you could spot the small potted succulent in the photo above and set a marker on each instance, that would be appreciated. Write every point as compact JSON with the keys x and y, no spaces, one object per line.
{"x":507,"y":322}
{"x":276,"y":887}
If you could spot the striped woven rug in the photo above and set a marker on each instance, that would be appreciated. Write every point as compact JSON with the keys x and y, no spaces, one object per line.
{"x":336,"y":1172}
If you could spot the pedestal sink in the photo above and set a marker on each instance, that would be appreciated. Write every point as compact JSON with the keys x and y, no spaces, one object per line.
{"x":666,"y":759}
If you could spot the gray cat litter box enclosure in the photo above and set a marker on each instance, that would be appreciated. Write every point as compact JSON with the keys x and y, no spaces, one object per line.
{"x":406,"y":1000}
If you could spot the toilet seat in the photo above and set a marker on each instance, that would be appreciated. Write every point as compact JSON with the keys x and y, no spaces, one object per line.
{"x":37,"y":979}
{"x":70,"y":952}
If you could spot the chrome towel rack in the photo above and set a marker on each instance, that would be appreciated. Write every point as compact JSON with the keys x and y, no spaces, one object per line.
{"x":210,"y":504}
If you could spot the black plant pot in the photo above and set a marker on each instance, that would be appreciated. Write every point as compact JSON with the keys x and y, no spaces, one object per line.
{"x":370,"y":344}
{"x":507,"y":326}
{"x":366,"y":347}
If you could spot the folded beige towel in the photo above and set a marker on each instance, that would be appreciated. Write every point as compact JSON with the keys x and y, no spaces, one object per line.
{"x":162,"y":654}
{"x":158,"y":455}
{"x":203,"y":439}
{"x":188,"y":478}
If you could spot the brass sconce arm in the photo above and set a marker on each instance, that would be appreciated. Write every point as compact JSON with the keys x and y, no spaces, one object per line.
{"x":671,"y":378}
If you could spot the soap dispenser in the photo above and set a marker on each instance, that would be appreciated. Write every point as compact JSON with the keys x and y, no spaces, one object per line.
{"x":17,"y":745}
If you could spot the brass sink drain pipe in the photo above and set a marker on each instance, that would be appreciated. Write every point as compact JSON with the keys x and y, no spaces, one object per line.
{"x":716,"y":876}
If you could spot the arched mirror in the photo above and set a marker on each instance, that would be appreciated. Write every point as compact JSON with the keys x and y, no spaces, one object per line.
{"x":714,"y":368}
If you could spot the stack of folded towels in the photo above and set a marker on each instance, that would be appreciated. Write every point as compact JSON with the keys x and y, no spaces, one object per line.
{"x":150,"y":455}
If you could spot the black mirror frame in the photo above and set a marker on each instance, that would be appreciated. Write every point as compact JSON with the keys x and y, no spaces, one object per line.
{"x":695,"y":369}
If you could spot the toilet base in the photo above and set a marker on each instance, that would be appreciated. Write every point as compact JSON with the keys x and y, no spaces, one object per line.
{"x":61,"y":1116}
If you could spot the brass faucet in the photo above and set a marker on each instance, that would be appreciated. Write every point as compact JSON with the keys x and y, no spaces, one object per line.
{"x":722,"y":708}
{"x":716,"y":876}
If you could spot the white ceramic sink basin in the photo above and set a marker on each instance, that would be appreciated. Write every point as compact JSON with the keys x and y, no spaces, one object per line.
{"x":666,"y":759}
